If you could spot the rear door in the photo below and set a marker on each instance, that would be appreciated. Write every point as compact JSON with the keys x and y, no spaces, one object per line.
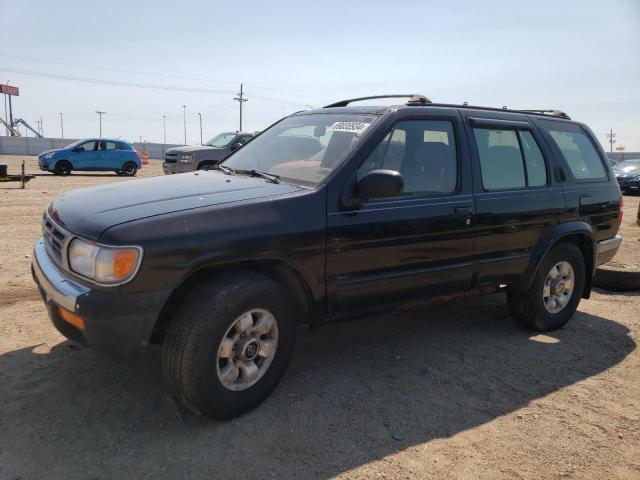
{"x":591,"y":189}
{"x":516,"y":196}
{"x":418,"y":244}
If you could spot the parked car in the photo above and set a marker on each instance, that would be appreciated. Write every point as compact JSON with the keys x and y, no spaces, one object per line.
{"x":628,"y":175}
{"x":190,"y":158}
{"x":329,"y":214}
{"x":92,"y":154}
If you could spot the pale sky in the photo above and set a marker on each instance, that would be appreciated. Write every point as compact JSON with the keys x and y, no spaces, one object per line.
{"x":582,"y":57}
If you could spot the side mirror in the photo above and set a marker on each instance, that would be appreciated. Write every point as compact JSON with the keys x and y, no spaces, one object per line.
{"x":380,"y":184}
{"x":235,"y":146}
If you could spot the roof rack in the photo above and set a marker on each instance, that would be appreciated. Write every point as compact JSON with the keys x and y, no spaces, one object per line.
{"x":553,"y":113}
{"x":414,"y":99}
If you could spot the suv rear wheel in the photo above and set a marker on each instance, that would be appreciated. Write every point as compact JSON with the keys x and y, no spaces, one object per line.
{"x":555,"y":291}
{"x":228,"y":345}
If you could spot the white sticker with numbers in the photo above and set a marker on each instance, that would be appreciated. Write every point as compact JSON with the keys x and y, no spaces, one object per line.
{"x":352,"y":127}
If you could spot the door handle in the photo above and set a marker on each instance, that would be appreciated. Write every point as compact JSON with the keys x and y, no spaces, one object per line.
{"x":463,"y":212}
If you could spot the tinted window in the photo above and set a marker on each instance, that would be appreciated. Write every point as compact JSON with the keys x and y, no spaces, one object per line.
{"x":500,"y":159}
{"x":106,"y":145}
{"x":423,"y":151}
{"x":577,"y":150}
{"x":536,"y":169}
{"x":243,"y":140}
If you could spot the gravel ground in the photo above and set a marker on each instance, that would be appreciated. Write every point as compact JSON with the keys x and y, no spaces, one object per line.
{"x":450,"y":391}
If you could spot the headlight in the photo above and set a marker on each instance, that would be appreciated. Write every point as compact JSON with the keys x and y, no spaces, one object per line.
{"x":102,"y":264}
{"x":185,"y":158}
{"x":49,"y":155}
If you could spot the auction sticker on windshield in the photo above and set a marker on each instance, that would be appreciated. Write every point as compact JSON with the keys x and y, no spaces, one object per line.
{"x":351,"y":127}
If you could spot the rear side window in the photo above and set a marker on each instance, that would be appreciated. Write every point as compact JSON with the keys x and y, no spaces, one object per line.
{"x":536,"y":169}
{"x":577,"y":149}
{"x":509,"y":159}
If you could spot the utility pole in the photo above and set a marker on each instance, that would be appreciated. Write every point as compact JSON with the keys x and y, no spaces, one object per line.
{"x":200,"y":115}
{"x":164,"y":129}
{"x":100,"y":115}
{"x":240,"y":99}
{"x":611,"y":137}
{"x":184,"y":121}
{"x":41,"y":127}
{"x":61,"y":126}
{"x":5,"y":112}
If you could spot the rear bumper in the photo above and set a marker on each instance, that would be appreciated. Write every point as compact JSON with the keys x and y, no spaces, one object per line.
{"x":115,"y":323}
{"x":607,"y":249}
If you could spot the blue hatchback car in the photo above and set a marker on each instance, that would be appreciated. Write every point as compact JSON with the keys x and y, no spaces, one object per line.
{"x":93,"y":154}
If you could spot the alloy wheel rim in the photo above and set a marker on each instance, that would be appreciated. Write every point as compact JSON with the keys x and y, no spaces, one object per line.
{"x":247,"y":349}
{"x":558,"y":287}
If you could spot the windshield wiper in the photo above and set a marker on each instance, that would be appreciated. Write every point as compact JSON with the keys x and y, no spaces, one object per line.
{"x":221,"y":167}
{"x":257,"y":173}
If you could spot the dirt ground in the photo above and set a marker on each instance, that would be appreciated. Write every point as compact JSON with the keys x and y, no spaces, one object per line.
{"x":452,"y":391}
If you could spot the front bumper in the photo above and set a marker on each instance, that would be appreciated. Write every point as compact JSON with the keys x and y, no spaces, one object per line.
{"x":607,"y":249}
{"x":43,"y":165}
{"x":171,"y":168}
{"x":116,"y":323}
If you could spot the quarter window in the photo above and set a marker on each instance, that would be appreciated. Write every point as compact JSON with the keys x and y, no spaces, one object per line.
{"x":577,"y":150}
{"x":509,"y":159}
{"x":423,"y":151}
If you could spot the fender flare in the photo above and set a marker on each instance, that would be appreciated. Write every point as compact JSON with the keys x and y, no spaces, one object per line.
{"x":551,"y":238}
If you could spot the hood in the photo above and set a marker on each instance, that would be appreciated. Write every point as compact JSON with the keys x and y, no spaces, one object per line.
{"x":88,"y":212}
{"x":52,"y":150}
{"x":191,"y":148}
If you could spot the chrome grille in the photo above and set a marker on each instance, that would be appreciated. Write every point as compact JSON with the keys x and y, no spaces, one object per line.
{"x":54,"y":237}
{"x":171,"y":157}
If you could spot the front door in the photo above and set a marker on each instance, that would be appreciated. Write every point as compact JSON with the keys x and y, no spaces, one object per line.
{"x":85,"y":156}
{"x":415,"y":245}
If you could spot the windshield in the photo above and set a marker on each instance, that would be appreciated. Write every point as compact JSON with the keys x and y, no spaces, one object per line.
{"x":221,"y":140}
{"x":76,"y":143}
{"x":303,"y":148}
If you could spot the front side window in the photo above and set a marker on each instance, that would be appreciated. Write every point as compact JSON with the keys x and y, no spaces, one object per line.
{"x":303,"y":148}
{"x":423,"y":151}
{"x":88,"y":146}
{"x":577,"y":149}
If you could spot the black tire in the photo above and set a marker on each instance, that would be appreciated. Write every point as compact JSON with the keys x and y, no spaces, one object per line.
{"x":118,"y":172}
{"x":63,"y":168}
{"x":529,"y":308}
{"x":129,"y":169}
{"x":189,"y":355}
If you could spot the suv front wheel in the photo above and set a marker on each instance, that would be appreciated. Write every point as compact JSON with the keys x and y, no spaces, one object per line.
{"x":555,"y":292}
{"x":228,"y":345}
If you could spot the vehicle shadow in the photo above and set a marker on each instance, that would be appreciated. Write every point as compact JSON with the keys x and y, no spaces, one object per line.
{"x":355,"y":392}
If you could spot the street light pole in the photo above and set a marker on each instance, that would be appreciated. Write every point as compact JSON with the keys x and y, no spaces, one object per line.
{"x":61,"y":125}
{"x":200,"y":115}
{"x":184,"y":121}
{"x":164,"y":129}
{"x":100,"y":115}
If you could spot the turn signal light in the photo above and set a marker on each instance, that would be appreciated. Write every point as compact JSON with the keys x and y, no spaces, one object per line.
{"x":71,"y":318}
{"x":620,"y":212}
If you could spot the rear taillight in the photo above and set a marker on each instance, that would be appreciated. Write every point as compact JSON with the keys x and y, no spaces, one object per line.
{"x":620,"y":204}
{"x":137,"y":153}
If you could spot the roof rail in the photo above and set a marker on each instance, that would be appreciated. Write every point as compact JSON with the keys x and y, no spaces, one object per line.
{"x":414,"y":99}
{"x":553,"y":113}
